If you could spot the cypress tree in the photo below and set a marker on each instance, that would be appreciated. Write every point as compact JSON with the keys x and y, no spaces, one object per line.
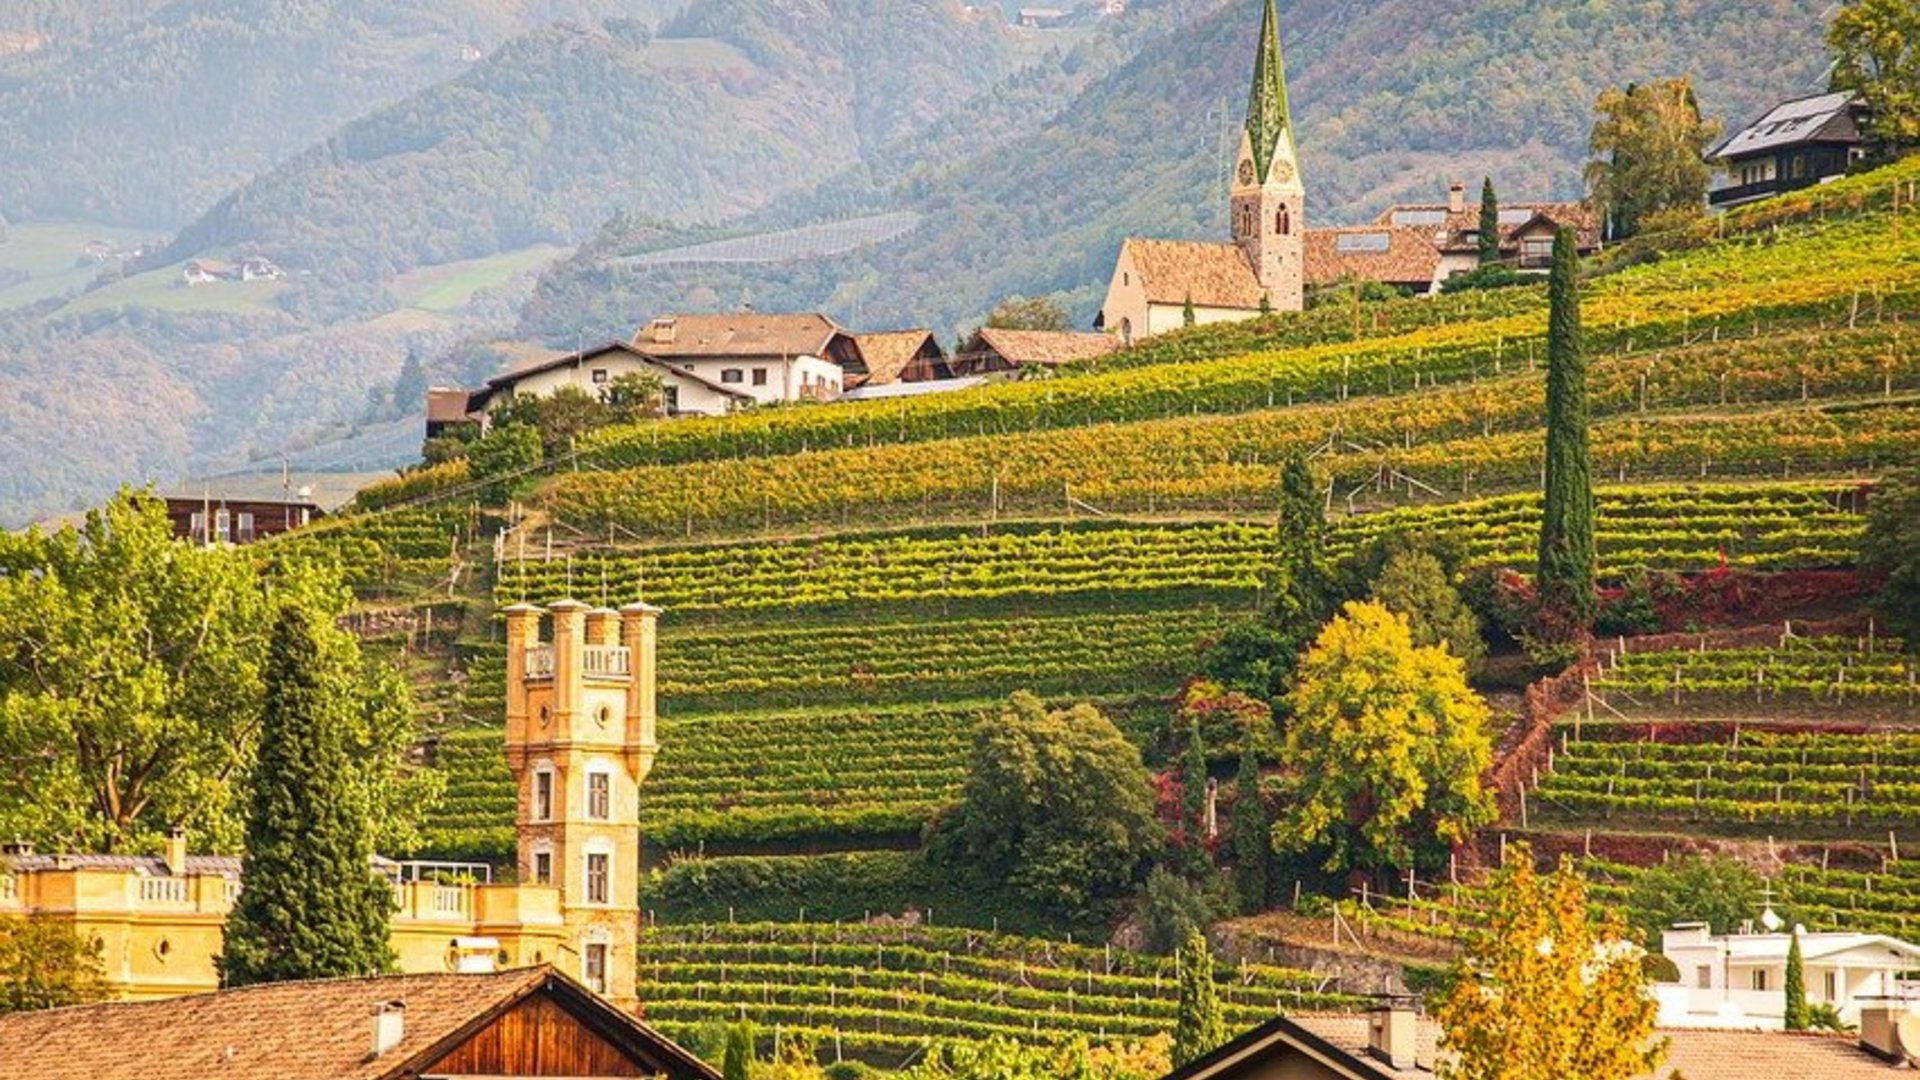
{"x":1566,"y":532}
{"x":738,"y":1063}
{"x":1198,"y":1027}
{"x":1796,"y":1013}
{"x":1193,"y":799}
{"x":1303,"y":584}
{"x":1489,"y":224}
{"x":1252,"y":835}
{"x":310,"y":905}
{"x":1187,"y":315}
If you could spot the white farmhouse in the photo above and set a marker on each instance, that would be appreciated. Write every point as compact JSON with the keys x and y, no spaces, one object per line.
{"x":1739,"y":980}
{"x":592,"y":371}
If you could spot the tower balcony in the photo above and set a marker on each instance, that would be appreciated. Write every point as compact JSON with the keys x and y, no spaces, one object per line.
{"x":596,"y":662}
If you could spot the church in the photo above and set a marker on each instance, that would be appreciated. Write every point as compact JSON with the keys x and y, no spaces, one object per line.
{"x":1156,"y":282}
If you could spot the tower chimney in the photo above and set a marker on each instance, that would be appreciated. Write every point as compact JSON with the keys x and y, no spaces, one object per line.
{"x":640,"y":626}
{"x":389,"y":1026}
{"x":1393,"y":1033}
{"x":1457,"y":197}
{"x":176,"y":851}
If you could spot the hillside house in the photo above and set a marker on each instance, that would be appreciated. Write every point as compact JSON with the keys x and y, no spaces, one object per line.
{"x":1797,"y":144}
{"x":591,"y":371}
{"x":1393,"y":1043}
{"x":769,"y":358}
{"x":448,"y":410}
{"x":1739,"y":980}
{"x":1403,"y":256}
{"x":217,"y":519}
{"x":531,"y":1022}
{"x":993,"y":350}
{"x":1156,"y":282}
{"x":208,"y":271}
{"x":883,"y":359}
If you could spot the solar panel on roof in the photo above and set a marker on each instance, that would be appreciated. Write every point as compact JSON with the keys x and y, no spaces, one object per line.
{"x":1419,"y":217}
{"x":1515,"y":217}
{"x":1358,"y":242}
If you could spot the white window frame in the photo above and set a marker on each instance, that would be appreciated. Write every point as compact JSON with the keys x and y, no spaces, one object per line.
{"x":542,"y":774}
{"x":542,"y":854}
{"x":603,"y":812}
{"x":606,"y":878}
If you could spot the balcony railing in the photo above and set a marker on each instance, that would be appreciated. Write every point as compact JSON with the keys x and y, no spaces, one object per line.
{"x":607,"y":661}
{"x":540,"y":662}
{"x":166,"y":890}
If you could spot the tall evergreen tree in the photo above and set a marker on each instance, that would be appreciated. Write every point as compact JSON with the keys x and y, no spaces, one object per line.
{"x":738,"y":1063}
{"x":1252,"y":835}
{"x":1198,"y":1026}
{"x":1303,"y":581}
{"x":1489,"y":224}
{"x":310,"y":906}
{"x":1193,"y":800}
{"x":1566,"y":532}
{"x":1796,"y":1011}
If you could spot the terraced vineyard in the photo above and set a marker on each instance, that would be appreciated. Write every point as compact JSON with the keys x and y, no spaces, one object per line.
{"x":396,"y":552}
{"x":1798,"y":673}
{"x":878,"y":994}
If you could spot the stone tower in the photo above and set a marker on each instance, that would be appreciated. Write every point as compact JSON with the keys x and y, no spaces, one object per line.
{"x":580,"y":741}
{"x":1269,"y":202}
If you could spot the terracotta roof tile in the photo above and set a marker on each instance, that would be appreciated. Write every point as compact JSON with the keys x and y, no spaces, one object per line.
{"x":1403,"y":255}
{"x":739,"y":334}
{"x":887,"y":354}
{"x":1458,"y":232}
{"x":1048,"y":348}
{"x":1211,"y":275}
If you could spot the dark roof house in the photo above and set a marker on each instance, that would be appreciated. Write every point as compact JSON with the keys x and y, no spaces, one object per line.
{"x":882,"y":359}
{"x":527,"y":1022}
{"x":1795,"y":145}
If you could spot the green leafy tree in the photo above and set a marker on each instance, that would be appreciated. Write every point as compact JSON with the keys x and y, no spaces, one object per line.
{"x":738,"y":1064}
{"x":1649,"y":148}
{"x":1876,"y":52}
{"x":1489,"y":231}
{"x":1003,"y":1058}
{"x":1384,"y":749}
{"x":1546,"y":991}
{"x":1171,"y":907}
{"x":1566,"y":528}
{"x":310,"y":905}
{"x":1797,"y":1018}
{"x":1199,"y":1028}
{"x":1029,"y":313}
{"x":502,"y":459}
{"x":1252,"y":837}
{"x":1714,"y":889}
{"x":636,"y":396}
{"x":1891,"y":549}
{"x":1056,"y":808}
{"x":1257,"y":657}
{"x":44,"y":964}
{"x":1414,"y":584}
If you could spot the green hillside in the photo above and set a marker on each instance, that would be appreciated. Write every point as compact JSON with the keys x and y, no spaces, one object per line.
{"x":1499,"y":90}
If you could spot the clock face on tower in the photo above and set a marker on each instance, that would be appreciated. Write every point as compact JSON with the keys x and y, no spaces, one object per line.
{"x":1246,"y":172}
{"x":1282,"y":172}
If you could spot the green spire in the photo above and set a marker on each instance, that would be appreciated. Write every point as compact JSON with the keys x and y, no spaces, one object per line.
{"x":1267,"y":113}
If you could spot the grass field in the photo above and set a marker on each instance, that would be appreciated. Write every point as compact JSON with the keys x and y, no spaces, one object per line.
{"x":164,"y":290}
{"x":451,"y":286}
{"x":49,"y":252}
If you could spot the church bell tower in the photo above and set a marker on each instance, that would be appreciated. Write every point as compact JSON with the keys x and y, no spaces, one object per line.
{"x":580,"y":741}
{"x":1269,"y":201}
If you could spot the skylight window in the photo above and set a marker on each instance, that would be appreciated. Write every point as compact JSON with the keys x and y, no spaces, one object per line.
{"x":1360,"y":242}
{"x":1419,"y":217}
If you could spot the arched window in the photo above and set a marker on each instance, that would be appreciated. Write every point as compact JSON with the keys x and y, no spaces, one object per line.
{"x":1282,"y":221}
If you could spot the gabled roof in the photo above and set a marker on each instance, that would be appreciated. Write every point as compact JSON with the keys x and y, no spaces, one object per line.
{"x":1329,"y":1039}
{"x":739,"y":334}
{"x":1773,"y":948}
{"x":307,"y":1030}
{"x":1046,"y":348}
{"x":1402,"y":255}
{"x":151,"y":865}
{"x":620,"y":348}
{"x":446,"y":406}
{"x":1211,"y":275}
{"x":1821,"y":118}
{"x":1458,"y":231}
{"x":887,"y":354}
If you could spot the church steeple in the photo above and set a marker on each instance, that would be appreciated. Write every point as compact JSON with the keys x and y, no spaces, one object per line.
{"x":1268,"y":119}
{"x":1269,"y":202}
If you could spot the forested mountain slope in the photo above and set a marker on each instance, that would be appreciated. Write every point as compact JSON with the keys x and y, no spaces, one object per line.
{"x":1392,"y":100}
{"x":733,"y":104}
{"x":144,"y":112}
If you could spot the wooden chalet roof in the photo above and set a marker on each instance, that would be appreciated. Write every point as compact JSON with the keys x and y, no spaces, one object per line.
{"x":738,"y":334}
{"x":1341,"y":1041}
{"x":317,"y":1030}
{"x":888,"y":353}
{"x":1046,"y":348}
{"x":1403,"y":255}
{"x":1823,"y":118}
{"x":1211,"y":275}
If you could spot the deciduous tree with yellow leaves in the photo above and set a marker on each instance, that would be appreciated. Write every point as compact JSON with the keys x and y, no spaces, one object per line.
{"x":1385,"y":748}
{"x":1547,"y":991}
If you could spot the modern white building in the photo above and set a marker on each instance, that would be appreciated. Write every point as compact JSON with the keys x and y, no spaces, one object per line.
{"x":1739,"y":980}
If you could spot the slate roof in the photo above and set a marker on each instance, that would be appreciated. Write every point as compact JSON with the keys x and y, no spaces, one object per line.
{"x":152,"y":865}
{"x":1409,"y":255}
{"x":887,"y":354}
{"x":1211,"y":275}
{"x":742,"y":334}
{"x":293,"y":1030}
{"x":1046,"y":348}
{"x":1822,"y":118}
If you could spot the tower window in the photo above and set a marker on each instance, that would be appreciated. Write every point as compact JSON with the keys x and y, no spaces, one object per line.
{"x":543,"y":868}
{"x":594,"y":966}
{"x":599,"y":796}
{"x":543,"y":795}
{"x":597,"y":891}
{"x":1282,"y":221}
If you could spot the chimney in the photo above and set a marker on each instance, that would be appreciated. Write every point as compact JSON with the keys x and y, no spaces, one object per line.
{"x":662,"y":331}
{"x":389,"y":1026}
{"x":1888,"y":1031}
{"x":17,"y":848}
{"x":1457,"y":197}
{"x":1393,"y":1031}
{"x":177,"y":851}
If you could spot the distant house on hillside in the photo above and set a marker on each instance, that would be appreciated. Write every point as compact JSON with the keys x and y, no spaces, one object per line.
{"x":208,"y":520}
{"x":769,"y":358}
{"x":1041,"y":18}
{"x":449,"y":409}
{"x":591,"y":371}
{"x":993,"y":350}
{"x":1417,"y":246}
{"x":897,"y":356}
{"x":1795,"y":145}
{"x":208,"y":271}
{"x":1739,"y":980}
